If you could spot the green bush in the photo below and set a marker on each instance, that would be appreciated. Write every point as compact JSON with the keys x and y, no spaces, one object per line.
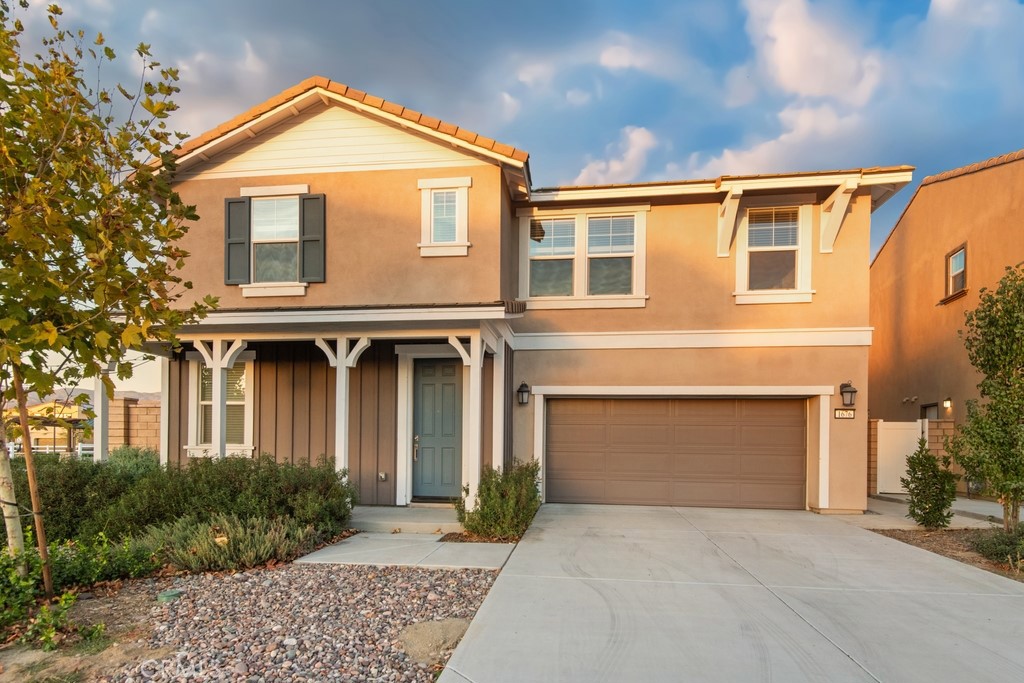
{"x":999,"y":545}
{"x":48,"y":622}
{"x":230,"y":542}
{"x":18,"y":593}
{"x":506,"y":502}
{"x":133,"y":461}
{"x":931,"y":487}
{"x":78,"y":563}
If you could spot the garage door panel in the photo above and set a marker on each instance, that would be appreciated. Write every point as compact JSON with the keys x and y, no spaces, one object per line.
{"x":701,"y":452}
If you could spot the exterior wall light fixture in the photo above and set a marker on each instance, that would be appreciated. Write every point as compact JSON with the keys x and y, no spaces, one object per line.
{"x":849,"y":393}
{"x":947,"y":403}
{"x":523,"y":393}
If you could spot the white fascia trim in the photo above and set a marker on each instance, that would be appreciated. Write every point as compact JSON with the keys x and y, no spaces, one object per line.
{"x":371,"y":334}
{"x":694,"y":339}
{"x":557,"y":302}
{"x":444,"y":183}
{"x":267,"y":289}
{"x":717,"y":186}
{"x":535,"y":211}
{"x":719,"y":390}
{"x":273,"y":190}
{"x":371,"y":315}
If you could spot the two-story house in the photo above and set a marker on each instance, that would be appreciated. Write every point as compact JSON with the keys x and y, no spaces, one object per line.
{"x":397,"y":298}
{"x":957,"y":235}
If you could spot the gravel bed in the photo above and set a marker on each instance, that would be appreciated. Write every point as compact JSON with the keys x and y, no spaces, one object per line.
{"x":304,"y":623}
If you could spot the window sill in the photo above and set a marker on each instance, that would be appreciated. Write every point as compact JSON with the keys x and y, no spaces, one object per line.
{"x":774,"y":297}
{"x":953,"y":297}
{"x":206,"y":451}
{"x":447,"y":249}
{"x":263,"y":289}
{"x":556,"y":302}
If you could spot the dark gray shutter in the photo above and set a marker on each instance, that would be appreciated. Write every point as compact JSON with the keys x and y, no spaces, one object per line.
{"x":311,"y":238}
{"x":236,"y":241}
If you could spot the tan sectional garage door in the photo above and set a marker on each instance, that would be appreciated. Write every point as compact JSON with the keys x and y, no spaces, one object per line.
{"x":747,"y":453}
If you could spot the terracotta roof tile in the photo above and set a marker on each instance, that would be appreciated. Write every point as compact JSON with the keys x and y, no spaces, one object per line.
{"x":975,"y":167}
{"x":343,"y":90}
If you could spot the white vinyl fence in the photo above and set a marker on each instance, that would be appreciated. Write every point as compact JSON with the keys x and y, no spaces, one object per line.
{"x":896,"y":440}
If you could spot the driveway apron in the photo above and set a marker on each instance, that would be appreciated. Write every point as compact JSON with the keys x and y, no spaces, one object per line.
{"x":620,"y":593}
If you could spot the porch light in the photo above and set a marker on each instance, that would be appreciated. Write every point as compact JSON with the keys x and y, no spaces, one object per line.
{"x":849,"y":393}
{"x":523,"y":392}
{"x":947,"y":403}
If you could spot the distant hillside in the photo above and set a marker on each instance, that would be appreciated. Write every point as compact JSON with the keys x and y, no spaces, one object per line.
{"x":70,"y":394}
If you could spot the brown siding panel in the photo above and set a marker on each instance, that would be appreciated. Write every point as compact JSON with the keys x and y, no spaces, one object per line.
{"x":700,"y":452}
{"x":373,"y":409}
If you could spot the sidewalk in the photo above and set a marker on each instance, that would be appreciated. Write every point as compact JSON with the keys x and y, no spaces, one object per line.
{"x":978,"y":508}
{"x":889,"y":511}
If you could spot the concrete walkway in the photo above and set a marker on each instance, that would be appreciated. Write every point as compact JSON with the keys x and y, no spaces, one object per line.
{"x":412,"y":550}
{"x":619,"y":593}
{"x":963,"y":507}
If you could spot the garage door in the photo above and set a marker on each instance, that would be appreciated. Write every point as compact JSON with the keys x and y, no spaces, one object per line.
{"x":747,"y":453}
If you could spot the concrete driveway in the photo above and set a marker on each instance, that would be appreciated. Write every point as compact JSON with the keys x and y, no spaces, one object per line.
{"x":613,"y":593}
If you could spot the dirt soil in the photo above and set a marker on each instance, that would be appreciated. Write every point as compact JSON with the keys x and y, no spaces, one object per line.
{"x":123,"y":607}
{"x":428,"y":642}
{"x":952,"y":543}
{"x":466,"y":537}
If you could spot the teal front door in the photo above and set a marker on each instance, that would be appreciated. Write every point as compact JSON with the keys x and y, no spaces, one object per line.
{"x":437,"y":429}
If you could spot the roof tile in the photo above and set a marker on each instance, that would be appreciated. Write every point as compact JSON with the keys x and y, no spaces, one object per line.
{"x":467,"y":135}
{"x":374,"y":101}
{"x":430,"y":122}
{"x":975,"y":167}
{"x":392,"y":108}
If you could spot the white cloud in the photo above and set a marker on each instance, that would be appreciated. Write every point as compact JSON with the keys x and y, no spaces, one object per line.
{"x":536,"y":74}
{"x":740,"y":86}
{"x":577,"y":97}
{"x":624,"y":57}
{"x":810,"y":55}
{"x":807,"y":142}
{"x":636,"y":142}
{"x":510,"y":106}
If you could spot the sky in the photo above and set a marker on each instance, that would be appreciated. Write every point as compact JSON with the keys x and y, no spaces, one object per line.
{"x":617,"y":92}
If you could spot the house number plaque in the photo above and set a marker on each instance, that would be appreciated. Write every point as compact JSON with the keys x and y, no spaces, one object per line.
{"x":845,"y":413}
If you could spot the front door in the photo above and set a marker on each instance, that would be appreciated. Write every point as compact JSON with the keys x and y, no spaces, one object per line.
{"x":437,"y":429}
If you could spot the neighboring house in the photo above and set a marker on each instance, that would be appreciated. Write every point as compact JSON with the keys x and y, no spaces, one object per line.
{"x":389,"y":281}
{"x":960,"y":231}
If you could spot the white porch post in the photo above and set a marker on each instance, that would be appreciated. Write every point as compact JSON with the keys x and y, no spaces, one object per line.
{"x":341,"y":407}
{"x":498,"y":403}
{"x":472,"y":451}
{"x":219,"y":438}
{"x":165,"y":409}
{"x":101,"y":423}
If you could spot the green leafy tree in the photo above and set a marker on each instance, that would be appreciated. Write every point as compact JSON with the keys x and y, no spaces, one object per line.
{"x":931,"y":487}
{"x":89,"y":223}
{"x":990,"y":443}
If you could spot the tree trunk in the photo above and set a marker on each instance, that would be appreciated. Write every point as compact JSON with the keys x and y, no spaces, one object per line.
{"x":33,"y":488}
{"x":1011,"y":513}
{"x":12,"y":518}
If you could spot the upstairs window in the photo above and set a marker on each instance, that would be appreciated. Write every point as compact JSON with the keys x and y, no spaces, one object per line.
{"x":578,"y":258}
{"x":772,"y":244}
{"x":956,"y":271}
{"x":773,"y":251}
{"x":445,"y":216}
{"x":552,"y":251}
{"x":274,"y":240}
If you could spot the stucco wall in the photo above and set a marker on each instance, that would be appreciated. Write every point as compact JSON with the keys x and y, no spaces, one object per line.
{"x":917,"y":357}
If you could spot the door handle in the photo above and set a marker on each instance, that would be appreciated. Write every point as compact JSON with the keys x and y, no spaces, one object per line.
{"x":415,"y":448}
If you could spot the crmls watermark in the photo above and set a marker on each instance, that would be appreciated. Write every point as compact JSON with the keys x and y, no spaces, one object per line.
{"x":172,"y":669}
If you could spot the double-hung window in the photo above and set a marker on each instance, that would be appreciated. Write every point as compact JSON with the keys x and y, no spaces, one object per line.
{"x":274,"y":240}
{"x":773,"y":255}
{"x":583,"y":258}
{"x":445,"y":216}
{"x":956,"y":271}
{"x":238,"y":409}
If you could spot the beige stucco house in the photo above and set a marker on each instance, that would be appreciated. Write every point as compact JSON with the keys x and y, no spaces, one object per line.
{"x":960,"y":231}
{"x":389,"y":282}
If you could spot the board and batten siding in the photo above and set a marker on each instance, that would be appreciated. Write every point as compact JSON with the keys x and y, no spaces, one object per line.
{"x":330,"y":138}
{"x":372,"y":423}
{"x":177,"y":415}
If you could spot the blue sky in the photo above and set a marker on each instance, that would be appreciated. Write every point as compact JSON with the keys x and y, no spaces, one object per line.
{"x":622,"y":92}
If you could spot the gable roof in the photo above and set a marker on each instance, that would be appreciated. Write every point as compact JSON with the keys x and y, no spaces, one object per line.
{"x":316,"y":89}
{"x":974,"y":168}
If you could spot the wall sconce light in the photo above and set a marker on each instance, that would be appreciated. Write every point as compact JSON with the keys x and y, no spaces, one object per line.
{"x":849,"y":393}
{"x":523,"y":393}
{"x":947,"y":403}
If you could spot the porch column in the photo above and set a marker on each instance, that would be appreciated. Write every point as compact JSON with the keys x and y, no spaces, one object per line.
{"x":498,"y":404}
{"x":475,"y":414}
{"x":165,"y":409}
{"x":341,"y":408}
{"x":101,"y":422}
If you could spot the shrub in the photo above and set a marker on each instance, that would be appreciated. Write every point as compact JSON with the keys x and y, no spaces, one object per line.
{"x":931,"y":487}
{"x":134,"y":462}
{"x":230,"y":542}
{"x":506,"y":502}
{"x":18,"y":593}
{"x":83,"y":563}
{"x":1000,"y":545}
{"x":48,"y":622}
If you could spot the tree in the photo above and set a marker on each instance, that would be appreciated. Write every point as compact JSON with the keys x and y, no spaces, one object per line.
{"x":930,"y":486}
{"x":89,"y":223}
{"x":990,"y":443}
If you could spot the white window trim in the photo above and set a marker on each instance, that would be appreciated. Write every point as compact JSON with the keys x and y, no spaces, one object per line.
{"x":802,"y":293}
{"x":580,"y":270}
{"x":461,"y":245}
{"x":195,"y":449}
{"x":269,"y":289}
